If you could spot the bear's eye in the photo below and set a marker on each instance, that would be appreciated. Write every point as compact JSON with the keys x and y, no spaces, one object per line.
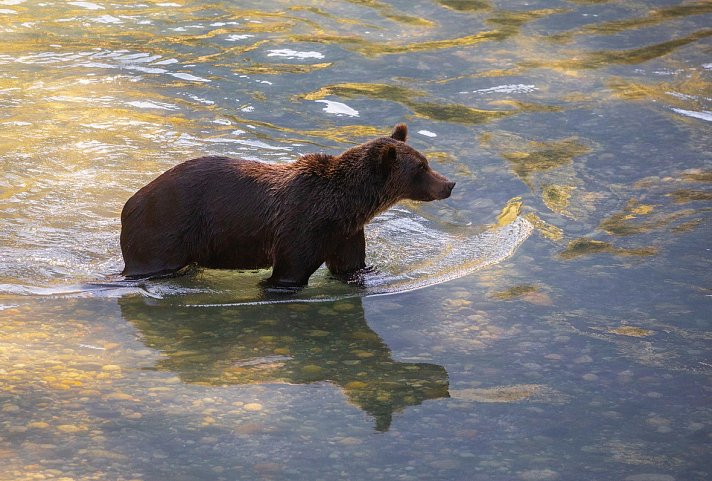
{"x":422,"y":166}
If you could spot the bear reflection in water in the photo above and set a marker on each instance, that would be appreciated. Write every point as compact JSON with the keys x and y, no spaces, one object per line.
{"x":289,"y":343}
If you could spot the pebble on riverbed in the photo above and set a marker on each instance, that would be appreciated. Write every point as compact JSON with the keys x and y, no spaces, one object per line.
{"x":539,"y":475}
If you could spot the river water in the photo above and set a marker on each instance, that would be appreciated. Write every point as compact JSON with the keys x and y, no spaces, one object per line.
{"x":549,"y":321}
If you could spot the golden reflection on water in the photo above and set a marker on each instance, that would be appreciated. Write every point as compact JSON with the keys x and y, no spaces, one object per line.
{"x":510,"y":212}
{"x":544,"y":156}
{"x":585,"y":247}
{"x":556,"y":198}
{"x":638,"y":218}
{"x":633,"y":56}
{"x":547,"y":230}
{"x":391,"y":13}
{"x":466,"y":5}
{"x":547,"y":168}
{"x":654,"y":17}
{"x":438,"y":111}
{"x":683,"y":92}
{"x":626,"y":223}
{"x":509,"y":23}
{"x":515,"y":19}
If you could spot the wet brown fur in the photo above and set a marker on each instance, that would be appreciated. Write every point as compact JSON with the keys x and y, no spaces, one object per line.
{"x":226,"y":213}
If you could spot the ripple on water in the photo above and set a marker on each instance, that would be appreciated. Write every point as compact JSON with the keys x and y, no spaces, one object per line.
{"x":101,"y":59}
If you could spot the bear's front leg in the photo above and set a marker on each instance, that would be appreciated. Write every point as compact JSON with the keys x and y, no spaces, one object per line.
{"x":348,"y":255}
{"x":292,"y":269}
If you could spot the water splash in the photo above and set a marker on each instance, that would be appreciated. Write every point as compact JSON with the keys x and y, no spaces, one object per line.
{"x":406,"y":252}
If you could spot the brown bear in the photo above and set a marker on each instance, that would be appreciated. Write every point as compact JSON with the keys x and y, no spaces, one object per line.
{"x":224,"y":213}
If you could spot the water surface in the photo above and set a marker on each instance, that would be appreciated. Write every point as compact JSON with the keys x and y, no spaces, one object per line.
{"x":550,"y":320}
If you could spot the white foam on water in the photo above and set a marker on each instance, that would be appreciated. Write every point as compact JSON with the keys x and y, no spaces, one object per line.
{"x":704,"y":115}
{"x":94,"y":146}
{"x":506,"y":89}
{"x":141,"y":57}
{"x":146,"y":69}
{"x":201,"y":100}
{"x":187,"y":76}
{"x":338,"y":108}
{"x":257,"y":144}
{"x":99,"y":289}
{"x":87,"y":5}
{"x":236,"y":37}
{"x":682,"y":96}
{"x":109,"y":19}
{"x":292,"y":54}
{"x":432,"y":256}
{"x":95,"y":65}
{"x":152,"y":105}
{"x":166,"y":62}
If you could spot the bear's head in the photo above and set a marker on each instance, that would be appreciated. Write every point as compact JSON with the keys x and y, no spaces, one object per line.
{"x":406,"y":171}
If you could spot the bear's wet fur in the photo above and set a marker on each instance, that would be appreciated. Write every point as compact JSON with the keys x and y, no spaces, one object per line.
{"x":225,"y":213}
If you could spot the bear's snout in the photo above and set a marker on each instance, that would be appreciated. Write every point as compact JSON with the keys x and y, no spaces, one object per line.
{"x":433,"y":186}
{"x":450,"y":186}
{"x":445,"y":190}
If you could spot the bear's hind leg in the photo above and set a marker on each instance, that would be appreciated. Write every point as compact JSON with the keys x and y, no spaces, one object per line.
{"x":150,"y":258}
{"x":136,"y":270}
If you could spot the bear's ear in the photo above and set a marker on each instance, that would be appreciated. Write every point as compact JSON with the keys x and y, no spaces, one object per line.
{"x":400,"y":132}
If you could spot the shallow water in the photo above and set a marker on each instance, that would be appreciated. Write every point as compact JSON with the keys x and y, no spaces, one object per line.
{"x":550,"y":320}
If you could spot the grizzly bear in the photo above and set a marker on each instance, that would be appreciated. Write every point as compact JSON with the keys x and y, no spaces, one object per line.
{"x":225,"y":213}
